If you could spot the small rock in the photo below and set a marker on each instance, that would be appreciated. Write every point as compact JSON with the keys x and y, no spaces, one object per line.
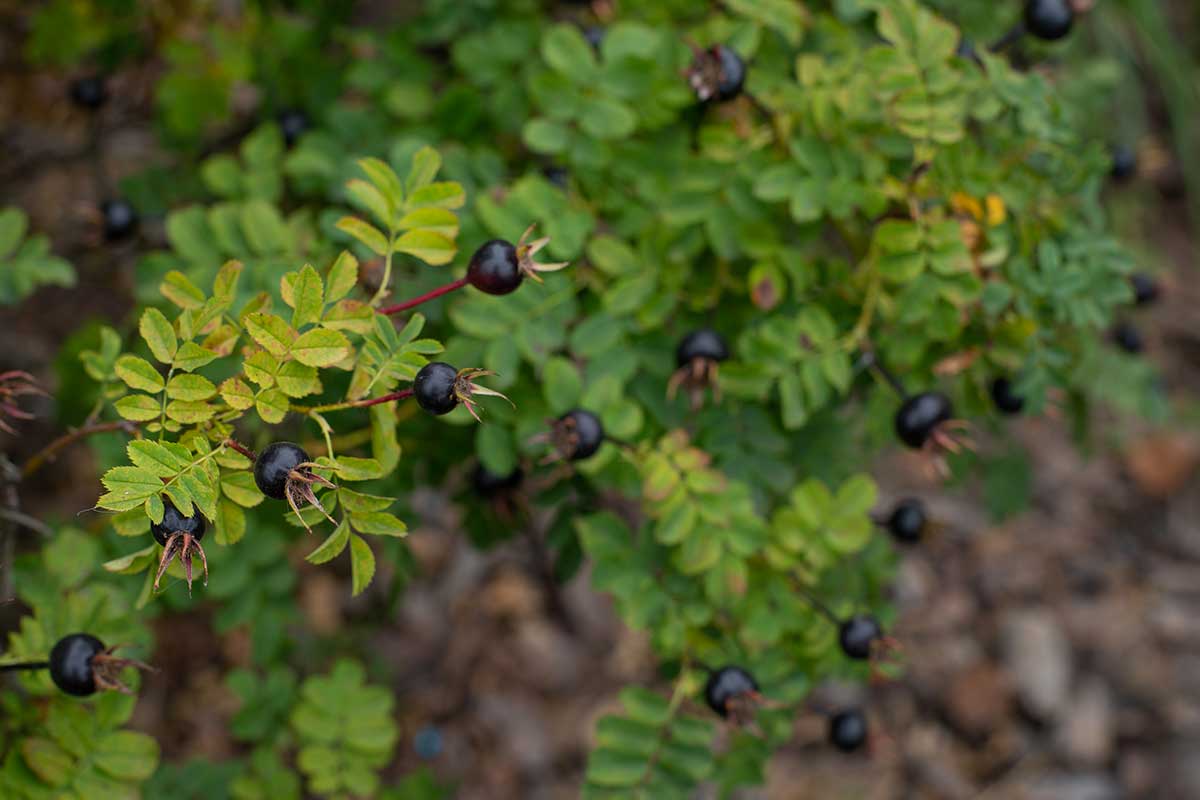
{"x":1038,"y":654}
{"x":978,"y":700}
{"x":1088,"y":729}
{"x":1074,"y":787}
{"x":1161,"y":463}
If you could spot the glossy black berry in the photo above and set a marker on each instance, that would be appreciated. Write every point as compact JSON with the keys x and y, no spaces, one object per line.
{"x":174,"y":522}
{"x":594,"y":35}
{"x":704,"y":344}
{"x":1128,"y":338}
{"x":119,"y":219}
{"x":495,"y":268}
{"x":920,"y":415}
{"x":557,"y":175}
{"x":732,"y":72}
{"x":489,"y":484}
{"x":585,"y":432}
{"x":71,"y":663}
{"x":857,"y":634}
{"x":908,"y":520}
{"x":294,"y":123}
{"x":1145,"y":289}
{"x":966,"y":50}
{"x":1007,"y":401}
{"x":274,"y":464}
{"x":848,"y":730}
{"x":1049,"y":19}
{"x":1124,"y":163}
{"x":434,"y":388}
{"x":727,"y":684}
{"x":89,"y":92}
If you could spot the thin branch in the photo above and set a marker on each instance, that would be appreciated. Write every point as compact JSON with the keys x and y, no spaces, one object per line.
{"x":234,"y":444}
{"x":24,"y":665}
{"x":373,"y":401}
{"x":47,"y":453}
{"x":25,"y":521}
{"x":416,"y":301}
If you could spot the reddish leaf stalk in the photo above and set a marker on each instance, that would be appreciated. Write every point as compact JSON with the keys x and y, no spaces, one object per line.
{"x":416,"y":301}
{"x":237,"y":446}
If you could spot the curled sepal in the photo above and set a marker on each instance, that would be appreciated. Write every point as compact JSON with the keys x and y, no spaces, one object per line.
{"x":695,"y":376}
{"x":13,"y":384}
{"x":106,"y":670}
{"x":298,"y":491}
{"x":526,"y":251}
{"x":465,"y":389}
{"x":183,"y":545}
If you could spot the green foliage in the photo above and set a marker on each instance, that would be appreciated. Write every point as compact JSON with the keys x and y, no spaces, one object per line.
{"x":878,"y":199}
{"x":27,"y":263}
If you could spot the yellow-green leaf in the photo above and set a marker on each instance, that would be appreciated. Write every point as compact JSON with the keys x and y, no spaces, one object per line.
{"x":138,"y":407}
{"x":308,"y":297}
{"x":189,"y":412}
{"x":237,"y":394}
{"x":362,"y":564}
{"x":190,"y":387}
{"x":159,"y":335}
{"x":182,"y":292}
{"x":271,"y":332}
{"x":343,"y":277}
{"x":366,"y":233}
{"x":429,"y":246}
{"x":192,"y":356}
{"x":332,"y":546}
{"x":298,"y":380}
{"x":138,"y":373}
{"x":321,"y":347}
{"x":272,"y":405}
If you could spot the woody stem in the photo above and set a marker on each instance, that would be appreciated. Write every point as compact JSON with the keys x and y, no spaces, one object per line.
{"x":431,"y":295}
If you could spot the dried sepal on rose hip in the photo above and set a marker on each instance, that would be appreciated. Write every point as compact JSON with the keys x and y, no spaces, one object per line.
{"x":13,"y":385}
{"x":283,"y":471}
{"x":180,"y":537}
{"x":926,"y":422}
{"x":717,"y":73}
{"x":498,"y":266}
{"x":80,"y":665}
{"x":696,"y":359}
{"x":732,"y":693}
{"x":862,"y":638}
{"x":439,"y":389}
{"x":574,"y":436}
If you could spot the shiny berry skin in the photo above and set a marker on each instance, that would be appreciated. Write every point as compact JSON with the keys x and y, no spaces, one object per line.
{"x":705,"y":344}
{"x":907,"y":521}
{"x":1145,"y":289}
{"x":294,"y":123}
{"x":733,"y":73}
{"x":1124,"y":163}
{"x":848,"y":730}
{"x":966,"y":50}
{"x":174,"y":521}
{"x":920,"y":415}
{"x":1128,"y":338}
{"x":726,"y":684}
{"x":588,"y":432}
{"x":489,"y":484}
{"x":494,"y":268}
{"x":71,"y":663}
{"x":857,"y":634}
{"x":594,"y":35}
{"x":1006,"y":400}
{"x":1049,"y":19}
{"x":89,"y":92}
{"x":120,"y":220}
{"x":274,"y":464}
{"x":434,"y":388}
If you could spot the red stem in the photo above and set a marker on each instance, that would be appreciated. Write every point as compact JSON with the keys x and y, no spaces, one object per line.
{"x":241,"y":448}
{"x":416,"y":301}
{"x":387,"y":398}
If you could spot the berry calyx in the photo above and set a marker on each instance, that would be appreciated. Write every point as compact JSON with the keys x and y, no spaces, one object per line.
{"x":89,"y":92}
{"x":908,"y":520}
{"x":919,"y":417}
{"x":731,"y":691}
{"x":439,"y":388}
{"x":1049,"y":19}
{"x":293,"y":123}
{"x":179,"y":536}
{"x":498,"y":266}
{"x":81,"y":665}
{"x":283,"y":471}
{"x":1145,"y":289}
{"x":1124,"y":162}
{"x":1007,"y":401}
{"x":697,"y":357}
{"x":577,"y":435}
{"x":119,"y":219}
{"x":857,"y":636}
{"x":1128,"y":338}
{"x":488,"y":484}
{"x":717,"y":73}
{"x":848,"y":730}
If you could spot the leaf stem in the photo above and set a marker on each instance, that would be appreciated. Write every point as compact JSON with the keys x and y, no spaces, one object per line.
{"x":373,"y":401}
{"x":234,"y":444}
{"x":416,"y":301}
{"x":47,"y":453}
{"x":24,"y":665}
{"x":387,"y":271}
